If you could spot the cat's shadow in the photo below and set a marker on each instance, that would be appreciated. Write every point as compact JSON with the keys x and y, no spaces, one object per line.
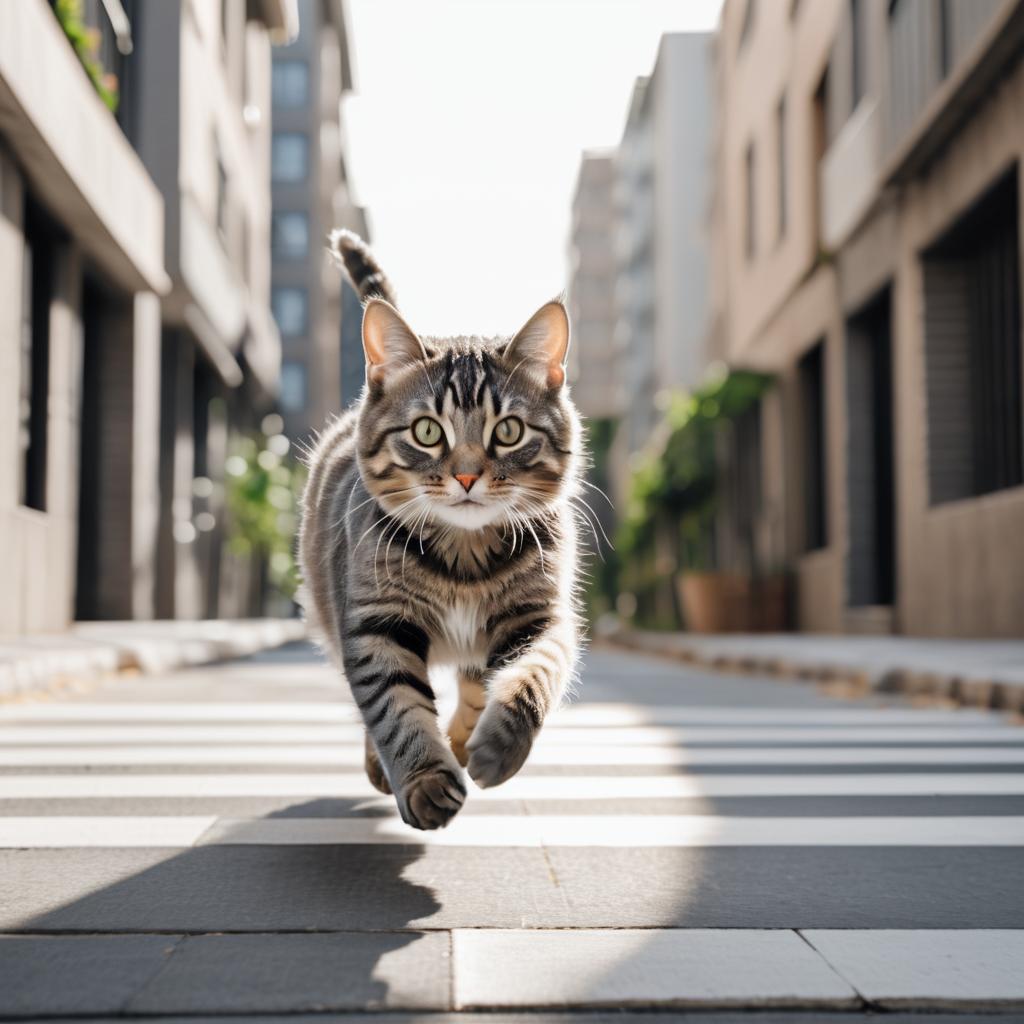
{"x":225,"y":899}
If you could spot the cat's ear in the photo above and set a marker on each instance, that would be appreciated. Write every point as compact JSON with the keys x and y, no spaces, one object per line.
{"x":388,"y":341}
{"x":541,"y":344}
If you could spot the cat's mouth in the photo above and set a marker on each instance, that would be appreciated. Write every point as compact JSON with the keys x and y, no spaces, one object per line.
{"x":467,"y":512}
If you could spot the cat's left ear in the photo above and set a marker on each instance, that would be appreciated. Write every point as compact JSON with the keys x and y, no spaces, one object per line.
{"x":388,"y":341}
{"x":541,"y":344}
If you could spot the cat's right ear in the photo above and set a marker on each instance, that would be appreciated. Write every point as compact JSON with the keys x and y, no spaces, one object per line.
{"x":388,"y":341}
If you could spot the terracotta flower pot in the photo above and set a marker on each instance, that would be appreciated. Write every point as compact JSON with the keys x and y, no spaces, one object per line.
{"x":731,"y":602}
{"x":715,"y":602}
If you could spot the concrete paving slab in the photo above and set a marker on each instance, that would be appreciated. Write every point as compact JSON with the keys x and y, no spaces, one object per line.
{"x":50,"y":975}
{"x":836,"y":887}
{"x":301,"y":973}
{"x":259,"y":888}
{"x":647,"y":968}
{"x":965,"y":969}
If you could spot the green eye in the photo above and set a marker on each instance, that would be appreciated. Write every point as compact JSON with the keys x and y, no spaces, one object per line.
{"x":427,"y":432}
{"x":509,"y":430}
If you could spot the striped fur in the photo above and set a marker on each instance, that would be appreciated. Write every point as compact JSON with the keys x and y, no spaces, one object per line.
{"x":361,"y":266}
{"x":399,"y":584}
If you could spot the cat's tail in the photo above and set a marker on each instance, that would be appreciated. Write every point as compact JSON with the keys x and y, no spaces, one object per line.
{"x":361,"y":266}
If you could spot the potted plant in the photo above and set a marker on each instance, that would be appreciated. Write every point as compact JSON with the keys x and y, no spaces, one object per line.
{"x":676,"y":496}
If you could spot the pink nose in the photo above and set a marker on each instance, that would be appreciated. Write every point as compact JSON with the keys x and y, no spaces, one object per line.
{"x":467,"y":480}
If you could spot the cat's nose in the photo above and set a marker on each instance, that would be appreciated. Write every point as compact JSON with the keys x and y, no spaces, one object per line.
{"x":467,"y":480}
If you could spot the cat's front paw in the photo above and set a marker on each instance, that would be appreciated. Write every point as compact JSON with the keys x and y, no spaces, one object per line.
{"x":432,"y":798}
{"x":500,"y":743}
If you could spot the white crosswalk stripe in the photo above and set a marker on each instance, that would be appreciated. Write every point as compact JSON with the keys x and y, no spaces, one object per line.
{"x":94,"y":785}
{"x":545,"y":755}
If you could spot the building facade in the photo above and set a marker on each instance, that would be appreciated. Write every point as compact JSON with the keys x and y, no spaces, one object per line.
{"x":136,"y":327}
{"x":868,"y":238}
{"x":311,"y":196}
{"x":661,"y":198}
{"x":81,"y":266}
{"x":206,"y":143}
{"x":595,"y":362}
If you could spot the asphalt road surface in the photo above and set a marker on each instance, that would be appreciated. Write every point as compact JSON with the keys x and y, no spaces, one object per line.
{"x":205,"y":844}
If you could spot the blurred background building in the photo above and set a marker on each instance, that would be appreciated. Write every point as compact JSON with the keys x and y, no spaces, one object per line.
{"x":138,"y":352}
{"x":853,"y":355}
{"x":638,"y":264}
{"x":312,"y":195}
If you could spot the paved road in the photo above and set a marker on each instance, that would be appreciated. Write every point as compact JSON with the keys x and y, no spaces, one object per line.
{"x":205,"y":844}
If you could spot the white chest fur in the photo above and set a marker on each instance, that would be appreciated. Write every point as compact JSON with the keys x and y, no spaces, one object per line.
{"x":463,"y":625}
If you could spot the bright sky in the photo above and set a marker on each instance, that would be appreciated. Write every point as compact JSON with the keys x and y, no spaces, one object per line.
{"x":466,"y":136}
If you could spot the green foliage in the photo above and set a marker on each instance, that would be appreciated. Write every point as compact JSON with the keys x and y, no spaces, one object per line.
{"x":599,"y":589}
{"x":675,"y":487}
{"x":264,"y":486}
{"x":85,"y":41}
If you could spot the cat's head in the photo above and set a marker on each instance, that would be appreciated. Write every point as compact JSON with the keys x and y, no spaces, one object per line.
{"x":467,"y":432}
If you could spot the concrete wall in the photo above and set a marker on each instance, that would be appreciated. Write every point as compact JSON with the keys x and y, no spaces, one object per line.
{"x":37,"y":548}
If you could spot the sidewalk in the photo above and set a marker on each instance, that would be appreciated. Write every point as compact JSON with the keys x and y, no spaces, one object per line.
{"x":978,"y":673}
{"x":93,"y":649}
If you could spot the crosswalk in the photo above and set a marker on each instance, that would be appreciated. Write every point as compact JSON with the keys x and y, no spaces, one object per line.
{"x":678,"y":839}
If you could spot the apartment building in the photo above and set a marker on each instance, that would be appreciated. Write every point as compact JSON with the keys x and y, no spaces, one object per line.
{"x":661,"y":198}
{"x":317,"y":312}
{"x":135,"y":327}
{"x":199,"y":117}
{"x":868,"y":236}
{"x":595,"y":362}
{"x":81,"y":270}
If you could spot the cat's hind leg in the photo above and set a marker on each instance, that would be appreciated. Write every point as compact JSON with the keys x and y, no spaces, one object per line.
{"x":374,"y":769}
{"x":472,"y":698}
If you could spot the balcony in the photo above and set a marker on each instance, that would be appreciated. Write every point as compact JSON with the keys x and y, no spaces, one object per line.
{"x":849,"y":174}
{"x":74,"y":154}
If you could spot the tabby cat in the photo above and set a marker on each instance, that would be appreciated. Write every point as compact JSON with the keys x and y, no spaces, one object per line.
{"x":438,"y":528}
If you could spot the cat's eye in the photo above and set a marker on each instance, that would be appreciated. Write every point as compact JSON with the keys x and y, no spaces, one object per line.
{"x":427,"y":432}
{"x":509,"y":430}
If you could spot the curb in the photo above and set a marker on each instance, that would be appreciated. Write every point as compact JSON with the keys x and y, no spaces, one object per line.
{"x":93,"y":650}
{"x":986,"y":690}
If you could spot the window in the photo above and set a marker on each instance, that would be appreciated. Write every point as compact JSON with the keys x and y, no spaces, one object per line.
{"x":972,"y":323}
{"x":290,"y":84}
{"x":811,"y":372}
{"x":289,"y":156}
{"x":856,"y":54}
{"x":293,"y":386}
{"x":782,"y":170}
{"x":289,"y":235}
{"x":750,"y":226}
{"x":291,"y":309}
{"x":37,"y":293}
